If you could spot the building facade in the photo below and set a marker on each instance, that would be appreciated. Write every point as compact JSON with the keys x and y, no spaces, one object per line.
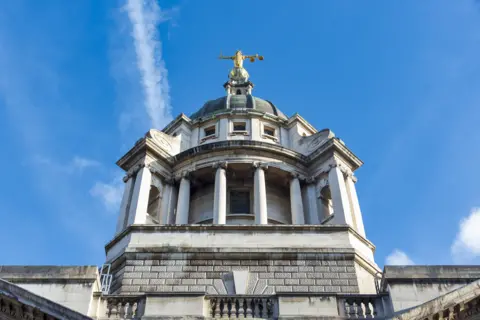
{"x":239,"y":211}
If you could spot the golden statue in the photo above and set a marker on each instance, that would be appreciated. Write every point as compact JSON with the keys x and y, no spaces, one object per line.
{"x":239,"y":57}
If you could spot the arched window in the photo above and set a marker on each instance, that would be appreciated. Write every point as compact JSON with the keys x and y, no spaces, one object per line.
{"x":326,"y":203}
{"x":154,"y":202}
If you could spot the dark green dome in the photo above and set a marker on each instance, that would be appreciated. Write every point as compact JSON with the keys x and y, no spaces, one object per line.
{"x":239,"y":101}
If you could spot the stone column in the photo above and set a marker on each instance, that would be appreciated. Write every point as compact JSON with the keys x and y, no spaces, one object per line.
{"x":220,"y":195}
{"x":141,"y":190}
{"x":183,"y":202}
{"x":126,"y":198}
{"x":313,"y":214}
{"x":166,"y":205}
{"x":260,"y":194}
{"x":355,"y":206}
{"x":296,"y":205}
{"x":340,"y":201}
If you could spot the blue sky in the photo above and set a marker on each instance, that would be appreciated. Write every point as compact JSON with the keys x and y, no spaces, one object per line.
{"x":81,"y":81}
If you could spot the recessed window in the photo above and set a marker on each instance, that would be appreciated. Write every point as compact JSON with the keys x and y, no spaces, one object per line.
{"x":239,"y":126}
{"x":239,"y":201}
{"x":209,"y":131}
{"x":269,"y":131}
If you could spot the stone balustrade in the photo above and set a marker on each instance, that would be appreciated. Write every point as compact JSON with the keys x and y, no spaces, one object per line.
{"x":361,"y":306}
{"x":124,"y":307}
{"x":460,"y":311}
{"x":240,"y":307}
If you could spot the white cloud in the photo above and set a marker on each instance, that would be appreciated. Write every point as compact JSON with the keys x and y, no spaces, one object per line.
{"x":399,"y":258}
{"x":82,"y":163}
{"x":110,"y":194}
{"x":75,"y":165}
{"x":145,"y":17}
{"x":466,"y":245}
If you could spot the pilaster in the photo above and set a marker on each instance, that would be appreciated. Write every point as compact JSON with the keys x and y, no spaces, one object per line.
{"x":355,"y":205}
{"x":127,"y":197}
{"x":338,"y":189}
{"x":139,"y":204}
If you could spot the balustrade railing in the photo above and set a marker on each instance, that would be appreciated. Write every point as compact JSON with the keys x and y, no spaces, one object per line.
{"x":124,"y":307}
{"x":361,"y":307}
{"x":243,"y":307}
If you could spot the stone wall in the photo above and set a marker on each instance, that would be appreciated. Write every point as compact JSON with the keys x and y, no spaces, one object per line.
{"x":70,"y":286}
{"x":213,"y":274}
{"x":410,"y":286}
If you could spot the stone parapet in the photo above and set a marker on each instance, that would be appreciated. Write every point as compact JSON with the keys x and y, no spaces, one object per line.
{"x":48,"y":273}
{"x":411,"y":273}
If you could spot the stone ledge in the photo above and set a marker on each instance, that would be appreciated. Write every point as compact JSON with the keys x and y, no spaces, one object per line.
{"x":232,"y":144}
{"x":199,"y":228}
{"x":49,"y":273}
{"x":442,"y":272}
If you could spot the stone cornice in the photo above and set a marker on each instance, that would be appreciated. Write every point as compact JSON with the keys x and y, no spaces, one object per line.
{"x":240,"y":112}
{"x":196,"y":228}
{"x":144,"y":146}
{"x":236,"y":144}
{"x":336,"y":146}
{"x":299,"y":118}
{"x":53,"y":273}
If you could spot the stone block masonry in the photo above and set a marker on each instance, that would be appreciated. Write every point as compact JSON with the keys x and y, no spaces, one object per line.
{"x":139,"y":273}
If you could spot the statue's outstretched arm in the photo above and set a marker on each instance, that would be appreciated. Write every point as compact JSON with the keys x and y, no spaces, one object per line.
{"x":225,"y":57}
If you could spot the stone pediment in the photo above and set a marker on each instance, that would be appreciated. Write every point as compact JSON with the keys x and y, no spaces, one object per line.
{"x":309,"y":144}
{"x":18,"y":303}
{"x":169,"y":144}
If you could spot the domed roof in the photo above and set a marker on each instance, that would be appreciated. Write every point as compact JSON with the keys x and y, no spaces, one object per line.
{"x":239,"y":101}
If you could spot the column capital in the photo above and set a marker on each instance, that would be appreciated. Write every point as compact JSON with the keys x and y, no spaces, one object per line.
{"x":349,"y":174}
{"x":169,"y":180}
{"x":186,"y":174}
{"x":311,"y":180}
{"x":220,"y":164}
{"x":183,"y":174}
{"x":133,"y":171}
{"x":296,"y":175}
{"x":343,"y":168}
{"x":260,"y":165}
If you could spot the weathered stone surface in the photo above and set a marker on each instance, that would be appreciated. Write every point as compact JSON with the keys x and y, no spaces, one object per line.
{"x":283,"y":274}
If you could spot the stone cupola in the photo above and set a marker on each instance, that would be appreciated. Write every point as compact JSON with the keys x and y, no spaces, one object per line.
{"x":240,"y":181}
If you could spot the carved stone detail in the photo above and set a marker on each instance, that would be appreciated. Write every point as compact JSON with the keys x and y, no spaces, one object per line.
{"x":161,"y":139}
{"x":220,"y":164}
{"x":261,"y":165}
